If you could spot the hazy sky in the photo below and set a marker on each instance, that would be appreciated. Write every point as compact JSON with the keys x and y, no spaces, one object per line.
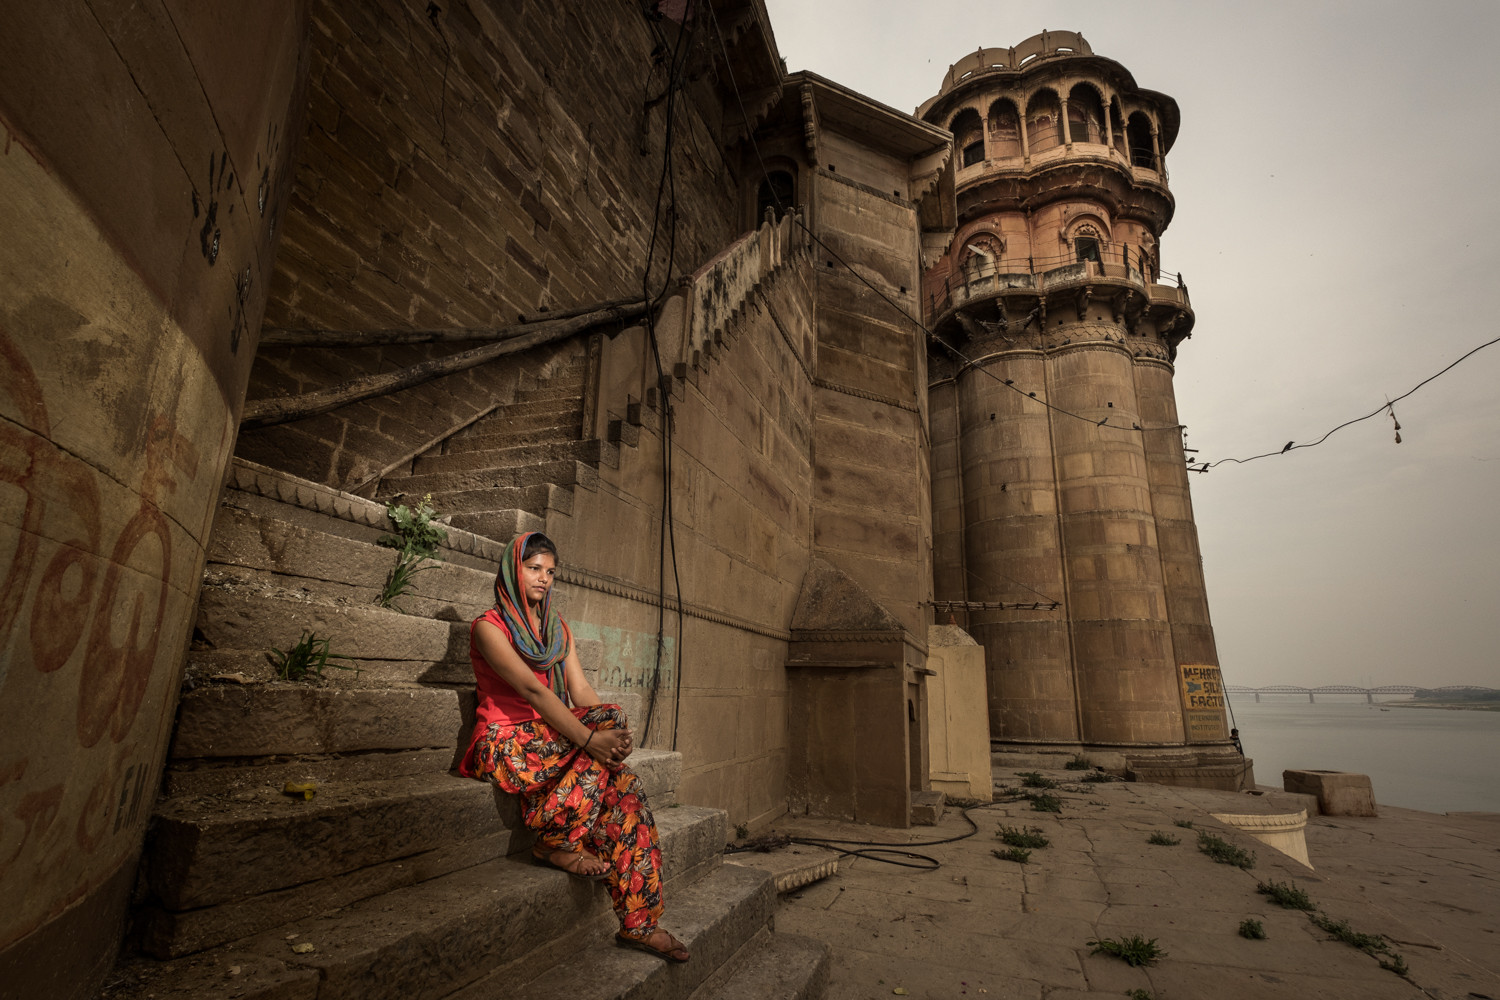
{"x":1337,"y":178}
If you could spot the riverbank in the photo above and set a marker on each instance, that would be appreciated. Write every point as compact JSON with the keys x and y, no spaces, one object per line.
{"x":978,"y":925}
{"x":1466,"y":706}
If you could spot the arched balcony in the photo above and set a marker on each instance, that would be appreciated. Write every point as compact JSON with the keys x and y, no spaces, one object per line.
{"x":1005,"y":130}
{"x":968,"y":137}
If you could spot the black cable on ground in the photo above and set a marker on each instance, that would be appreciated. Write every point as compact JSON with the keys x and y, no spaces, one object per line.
{"x":874,"y":849}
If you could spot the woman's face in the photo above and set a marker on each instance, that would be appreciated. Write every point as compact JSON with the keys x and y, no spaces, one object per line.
{"x":537,"y":571}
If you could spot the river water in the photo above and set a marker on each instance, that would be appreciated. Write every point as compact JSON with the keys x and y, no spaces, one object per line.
{"x":1419,"y":758}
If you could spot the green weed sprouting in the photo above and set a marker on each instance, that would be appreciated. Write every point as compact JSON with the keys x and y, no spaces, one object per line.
{"x":1163,"y":840}
{"x":1140,"y":994}
{"x":417,"y":538}
{"x":1042,"y":802}
{"x":1078,"y":763}
{"x":1186,"y":824}
{"x":1371,"y":944}
{"x":1032,"y":836}
{"x":1224,"y":852}
{"x":1099,"y":776}
{"x":1016,"y":854}
{"x":307,"y":659}
{"x":1286,"y":895}
{"x":1252,"y":929}
{"x":1033,"y":779}
{"x":1134,"y":950}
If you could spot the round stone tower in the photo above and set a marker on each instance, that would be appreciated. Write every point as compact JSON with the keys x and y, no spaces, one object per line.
{"x":1064,"y":536}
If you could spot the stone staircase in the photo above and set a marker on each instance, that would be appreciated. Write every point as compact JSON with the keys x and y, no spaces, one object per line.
{"x":503,"y":473}
{"x":396,"y":878}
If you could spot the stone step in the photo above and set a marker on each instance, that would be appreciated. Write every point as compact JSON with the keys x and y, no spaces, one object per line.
{"x":286,"y":718}
{"x":429,"y":939}
{"x":565,"y":472}
{"x":239,"y":856}
{"x":714,"y":918}
{"x":249,"y":667}
{"x":524,"y":411}
{"x":566,"y":384}
{"x":249,"y":548}
{"x":533,"y":499}
{"x":771,"y":967}
{"x":591,"y":451}
{"x":500,"y":524}
{"x":500,"y":436}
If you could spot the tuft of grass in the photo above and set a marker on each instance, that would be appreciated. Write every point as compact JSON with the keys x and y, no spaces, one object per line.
{"x":1140,"y":994}
{"x":1042,"y":802}
{"x":1186,"y":824}
{"x":741,"y":832}
{"x":1100,"y":777}
{"x":307,"y":660}
{"x":416,"y":539}
{"x":1078,"y":763}
{"x":1285,"y":895}
{"x":1017,"y":854}
{"x":1252,"y":929}
{"x":1224,"y":852}
{"x":1033,"y":779}
{"x":1163,"y":840}
{"x":1031,"y":836}
{"x":1371,"y":944}
{"x":1134,"y":950}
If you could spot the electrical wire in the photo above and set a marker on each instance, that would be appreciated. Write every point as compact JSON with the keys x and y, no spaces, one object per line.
{"x":666,"y":189}
{"x":1293,"y":446}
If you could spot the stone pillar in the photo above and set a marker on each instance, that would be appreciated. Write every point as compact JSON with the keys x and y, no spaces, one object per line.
{"x":1067,"y":129}
{"x":1177,"y":534}
{"x":1127,"y":685}
{"x":1014,"y":550}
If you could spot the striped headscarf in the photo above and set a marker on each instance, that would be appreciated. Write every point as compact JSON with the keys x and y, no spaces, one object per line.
{"x":542,"y":651}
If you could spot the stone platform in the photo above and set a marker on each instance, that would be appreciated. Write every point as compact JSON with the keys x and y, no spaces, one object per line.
{"x":979,"y":926}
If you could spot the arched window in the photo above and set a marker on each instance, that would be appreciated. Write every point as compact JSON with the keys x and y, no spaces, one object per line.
{"x":968,"y":136}
{"x":1088,"y":244}
{"x":981,"y":254}
{"x":1138,"y":134}
{"x":1043,"y":121}
{"x":1085,"y":114}
{"x":1004,"y":130}
{"x":777,"y":194}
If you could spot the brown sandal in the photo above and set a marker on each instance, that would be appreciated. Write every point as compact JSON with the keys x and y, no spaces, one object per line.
{"x":675,"y":951}
{"x":572,"y":866}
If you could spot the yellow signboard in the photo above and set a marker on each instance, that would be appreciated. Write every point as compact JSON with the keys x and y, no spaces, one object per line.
{"x":1202,"y":701}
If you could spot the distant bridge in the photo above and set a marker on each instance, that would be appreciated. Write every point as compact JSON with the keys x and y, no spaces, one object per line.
{"x":1368,"y":692}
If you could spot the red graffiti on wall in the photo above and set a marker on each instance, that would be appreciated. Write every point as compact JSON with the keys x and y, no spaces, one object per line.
{"x":109,"y":594}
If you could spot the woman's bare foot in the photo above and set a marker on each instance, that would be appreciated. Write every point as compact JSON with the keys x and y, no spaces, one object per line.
{"x":576,"y":863}
{"x":659,"y":943}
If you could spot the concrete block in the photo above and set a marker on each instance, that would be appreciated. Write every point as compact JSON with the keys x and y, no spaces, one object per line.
{"x":1339,"y":793}
{"x":927,"y":808}
{"x":792,"y":867}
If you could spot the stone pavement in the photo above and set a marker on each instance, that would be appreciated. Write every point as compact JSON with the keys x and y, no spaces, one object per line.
{"x":979,"y":926}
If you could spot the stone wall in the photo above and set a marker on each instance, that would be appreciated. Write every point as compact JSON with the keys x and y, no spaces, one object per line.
{"x":742,"y":481}
{"x":461,"y":170}
{"x":146,"y":153}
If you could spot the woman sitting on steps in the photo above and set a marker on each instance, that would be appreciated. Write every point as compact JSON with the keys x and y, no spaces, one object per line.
{"x":587,"y":807}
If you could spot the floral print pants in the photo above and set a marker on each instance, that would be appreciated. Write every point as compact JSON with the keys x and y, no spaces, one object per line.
{"x":576,"y":804}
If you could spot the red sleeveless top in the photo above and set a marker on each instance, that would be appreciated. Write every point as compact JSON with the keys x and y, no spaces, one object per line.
{"x":498,"y":701}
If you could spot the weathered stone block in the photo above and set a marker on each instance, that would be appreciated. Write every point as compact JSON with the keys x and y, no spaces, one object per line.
{"x":1339,"y":793}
